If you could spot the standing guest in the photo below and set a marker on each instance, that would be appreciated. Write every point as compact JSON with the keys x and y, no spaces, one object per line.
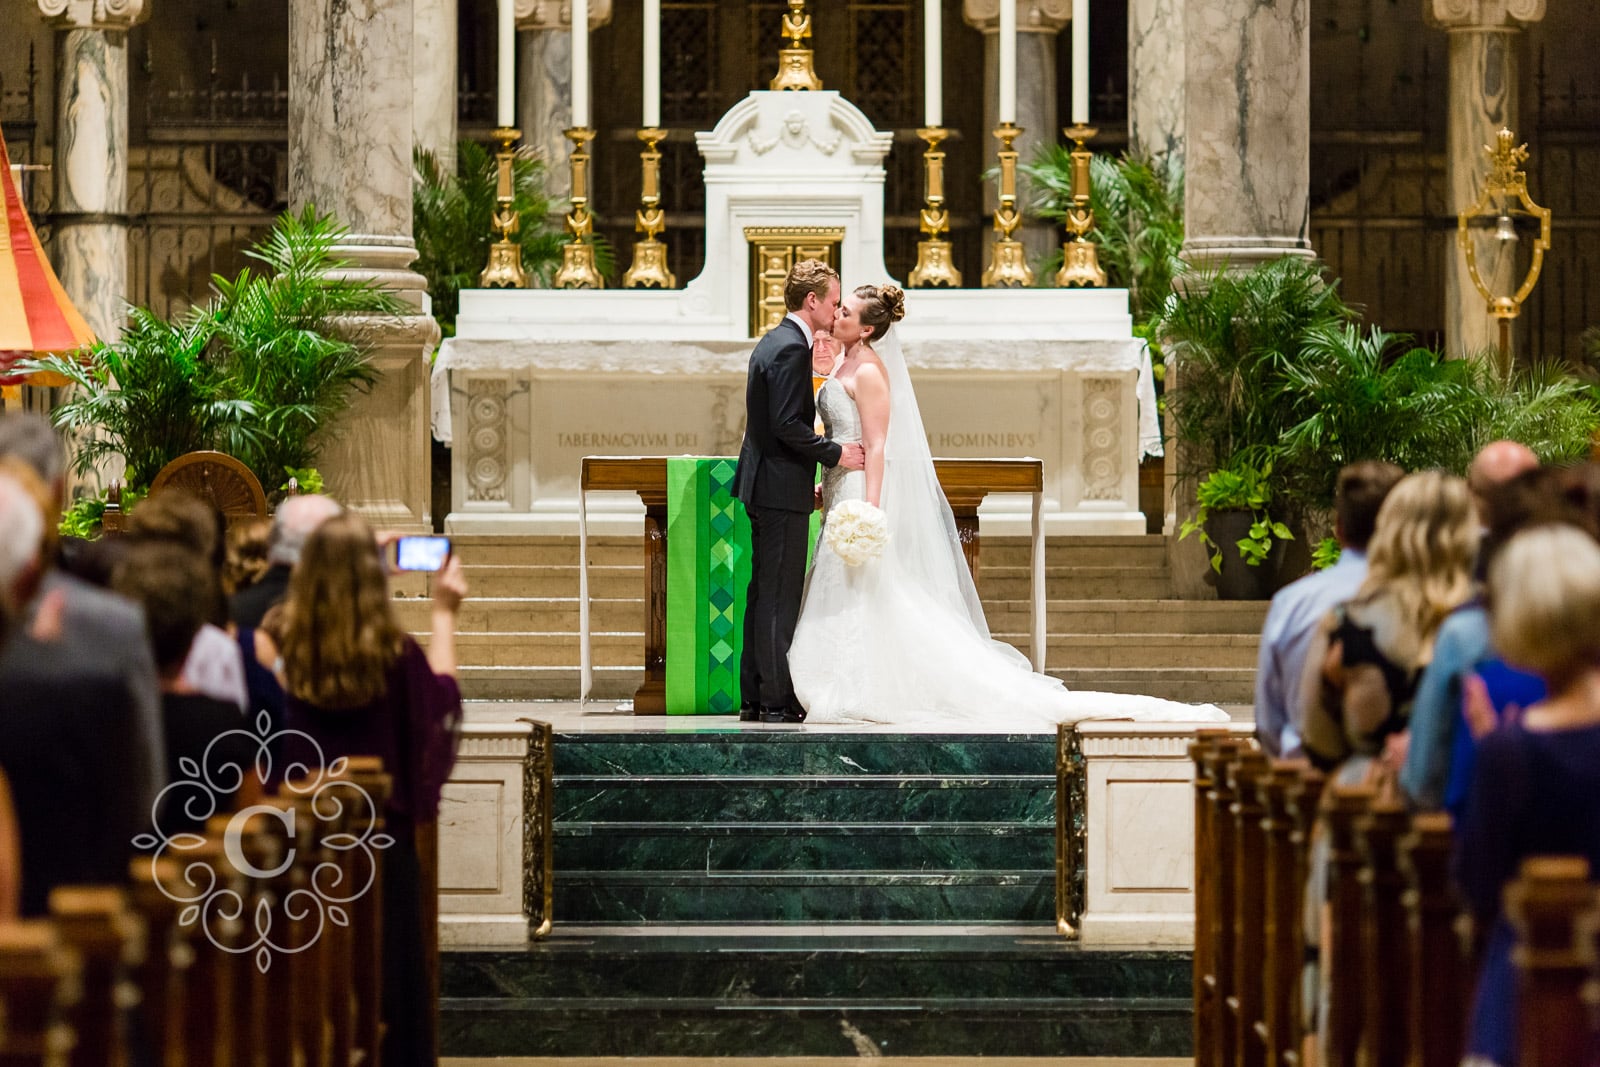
{"x":357,"y":684}
{"x":1366,"y":656}
{"x":1535,"y":790}
{"x":1298,"y":608}
{"x":175,"y":586}
{"x":294,"y":521}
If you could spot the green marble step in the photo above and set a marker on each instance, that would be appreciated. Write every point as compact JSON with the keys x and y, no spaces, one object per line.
{"x":716,"y":745}
{"x":806,"y":798}
{"x":792,"y":846}
{"x":692,"y":995}
{"x":766,"y":897}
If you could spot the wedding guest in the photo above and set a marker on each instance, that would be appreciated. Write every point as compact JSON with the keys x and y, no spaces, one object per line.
{"x":247,"y":544}
{"x":1298,"y":607}
{"x":22,"y":544}
{"x":1535,"y":790}
{"x":357,"y":684}
{"x":294,"y":521}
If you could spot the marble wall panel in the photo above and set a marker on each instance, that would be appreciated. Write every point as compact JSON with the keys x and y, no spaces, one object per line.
{"x":434,"y":48}
{"x":1156,"y":77}
{"x":480,"y":838}
{"x":544,"y":101}
{"x":89,"y":247}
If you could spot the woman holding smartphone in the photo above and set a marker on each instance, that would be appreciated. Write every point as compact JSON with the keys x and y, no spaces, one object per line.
{"x":359,"y":685}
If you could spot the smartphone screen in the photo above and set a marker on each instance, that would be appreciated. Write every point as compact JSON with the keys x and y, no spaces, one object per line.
{"x":421,"y":553}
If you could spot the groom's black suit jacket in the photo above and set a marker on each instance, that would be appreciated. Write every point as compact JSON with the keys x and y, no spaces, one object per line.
{"x":778,"y":461}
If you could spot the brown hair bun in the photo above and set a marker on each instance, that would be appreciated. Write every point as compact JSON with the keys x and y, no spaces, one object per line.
{"x":894,"y":302}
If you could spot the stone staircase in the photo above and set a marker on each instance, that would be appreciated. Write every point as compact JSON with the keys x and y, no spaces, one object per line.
{"x":1113,"y":623}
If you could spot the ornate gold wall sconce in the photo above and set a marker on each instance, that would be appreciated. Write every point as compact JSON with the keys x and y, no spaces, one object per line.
{"x":649,"y":270}
{"x":1080,"y":261}
{"x":935,"y":267}
{"x":504,"y":270}
{"x":578,"y":270}
{"x":1008,"y":262}
{"x":1501,"y":204}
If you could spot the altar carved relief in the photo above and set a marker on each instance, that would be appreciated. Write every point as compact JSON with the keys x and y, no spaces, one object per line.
{"x":1102,"y":418}
{"x":488,"y":449}
{"x":795,"y":134}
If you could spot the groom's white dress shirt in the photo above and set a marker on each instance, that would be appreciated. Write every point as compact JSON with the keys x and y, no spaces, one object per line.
{"x":798,"y":321}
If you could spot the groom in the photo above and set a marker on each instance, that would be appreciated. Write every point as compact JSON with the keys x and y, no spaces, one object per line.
{"x":775,"y":480}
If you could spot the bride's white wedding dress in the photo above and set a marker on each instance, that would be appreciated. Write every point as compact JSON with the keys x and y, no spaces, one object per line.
{"x":902,"y":639}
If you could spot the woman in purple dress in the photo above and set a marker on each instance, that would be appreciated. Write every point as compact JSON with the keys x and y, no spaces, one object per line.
{"x":1536,"y":788}
{"x":357,"y":684}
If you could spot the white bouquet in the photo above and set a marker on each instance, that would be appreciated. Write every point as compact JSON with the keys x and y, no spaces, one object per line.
{"x":856,"y":531}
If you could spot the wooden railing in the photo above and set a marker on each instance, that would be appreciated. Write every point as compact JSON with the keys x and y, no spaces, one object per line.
{"x":1396,"y":969}
{"x":134,"y":974}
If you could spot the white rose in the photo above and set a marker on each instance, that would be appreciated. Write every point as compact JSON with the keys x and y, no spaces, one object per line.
{"x":856,"y":531}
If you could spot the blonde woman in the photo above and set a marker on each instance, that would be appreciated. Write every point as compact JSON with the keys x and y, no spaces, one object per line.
{"x":1536,"y":787}
{"x":1366,"y":657}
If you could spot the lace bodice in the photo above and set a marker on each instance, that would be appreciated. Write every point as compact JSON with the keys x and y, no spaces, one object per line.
{"x":841,"y":419}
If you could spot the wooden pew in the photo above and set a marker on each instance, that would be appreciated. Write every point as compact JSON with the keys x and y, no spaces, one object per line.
{"x":1281,"y":902}
{"x":1209,"y":750}
{"x":1385,"y":1033}
{"x":155,"y":892}
{"x":1440,"y":997}
{"x":1249,"y":902}
{"x":39,"y":986}
{"x":1552,"y":907}
{"x":97,"y":923}
{"x":1305,"y":803}
{"x":1343,"y":960}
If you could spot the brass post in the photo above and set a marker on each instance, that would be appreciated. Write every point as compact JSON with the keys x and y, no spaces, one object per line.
{"x":1080,"y":262}
{"x":1504,"y":189}
{"x":577,"y":256}
{"x":794,"y":63}
{"x":934,"y":266}
{"x":649,"y":270}
{"x":1008,"y":262}
{"x":504,"y":270}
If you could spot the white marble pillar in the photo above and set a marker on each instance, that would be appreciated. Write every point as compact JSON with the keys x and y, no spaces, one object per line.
{"x":1484,"y":39}
{"x":350,"y":137}
{"x":433,"y":102}
{"x":89,"y":247}
{"x":1039,"y":23}
{"x":1155,"y":78}
{"x":1247,"y":138}
{"x":544,"y":81}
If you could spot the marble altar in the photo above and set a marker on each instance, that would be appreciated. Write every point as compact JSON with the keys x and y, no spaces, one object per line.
{"x":534,"y":381}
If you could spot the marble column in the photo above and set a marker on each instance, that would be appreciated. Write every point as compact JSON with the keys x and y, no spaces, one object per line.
{"x":1247,"y":137}
{"x":1039,"y":23}
{"x":1155,"y":78}
{"x":433,"y":102}
{"x":544,"y":81}
{"x":89,"y":246}
{"x":350,"y":137}
{"x":1483,"y":98}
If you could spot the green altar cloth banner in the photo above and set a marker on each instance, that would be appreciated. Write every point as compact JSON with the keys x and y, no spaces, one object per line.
{"x":708,"y":569}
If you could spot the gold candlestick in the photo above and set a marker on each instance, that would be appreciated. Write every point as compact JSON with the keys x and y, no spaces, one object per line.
{"x":794,"y":63}
{"x":504,"y":270}
{"x":934,"y":267}
{"x":649,"y":270}
{"x":1008,"y":262}
{"x":577,"y":256}
{"x":1080,"y":261}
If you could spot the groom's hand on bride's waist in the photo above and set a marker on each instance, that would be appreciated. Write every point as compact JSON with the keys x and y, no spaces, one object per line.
{"x":852,"y":457}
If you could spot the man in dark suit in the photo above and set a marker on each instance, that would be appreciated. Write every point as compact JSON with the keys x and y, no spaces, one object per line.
{"x":775,"y":480}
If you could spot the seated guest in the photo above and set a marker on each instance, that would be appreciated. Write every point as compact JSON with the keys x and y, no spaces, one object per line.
{"x":1300,"y":606}
{"x":91,"y":662}
{"x":174,"y":586}
{"x":357,"y":684}
{"x":22,"y":544}
{"x":1537,"y":786}
{"x":215,"y":665}
{"x":292,"y":523}
{"x":1367,"y":655}
{"x":247,"y":544}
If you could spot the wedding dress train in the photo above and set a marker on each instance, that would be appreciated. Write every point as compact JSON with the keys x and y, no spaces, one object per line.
{"x":902,"y":638}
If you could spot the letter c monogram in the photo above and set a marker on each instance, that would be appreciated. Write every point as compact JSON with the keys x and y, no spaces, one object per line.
{"x":235,"y":853}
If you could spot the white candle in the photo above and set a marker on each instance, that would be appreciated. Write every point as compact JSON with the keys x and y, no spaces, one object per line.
{"x":506,"y":45}
{"x":1008,"y":61}
{"x":580,"y":62}
{"x":1080,"y":61}
{"x":932,"y":66}
{"x":652,"y":63}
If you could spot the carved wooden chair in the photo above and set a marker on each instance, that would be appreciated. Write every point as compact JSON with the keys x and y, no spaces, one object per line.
{"x":219,"y":480}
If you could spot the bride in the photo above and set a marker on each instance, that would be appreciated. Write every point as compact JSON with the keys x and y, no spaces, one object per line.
{"x":902,"y":638}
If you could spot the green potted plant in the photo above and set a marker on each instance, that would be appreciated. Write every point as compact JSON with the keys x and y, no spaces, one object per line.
{"x":1234,"y":522}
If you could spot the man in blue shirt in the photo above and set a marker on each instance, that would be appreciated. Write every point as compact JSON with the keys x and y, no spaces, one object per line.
{"x":1299,"y":606}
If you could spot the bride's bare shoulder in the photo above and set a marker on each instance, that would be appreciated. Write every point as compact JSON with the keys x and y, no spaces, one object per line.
{"x":872,"y":365}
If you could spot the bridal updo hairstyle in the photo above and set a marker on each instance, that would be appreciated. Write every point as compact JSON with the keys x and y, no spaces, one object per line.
{"x":881,"y":307}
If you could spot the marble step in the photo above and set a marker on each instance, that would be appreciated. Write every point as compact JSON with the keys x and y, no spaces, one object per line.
{"x":1066,"y":583}
{"x":1008,"y":799}
{"x":1215,"y":685}
{"x":795,"y":846}
{"x":497,"y":549}
{"x":1075,"y":651}
{"x":775,"y":753}
{"x":1144,"y":551}
{"x":506,"y":614}
{"x":519,"y":580}
{"x":704,"y":995}
{"x":611,"y":683}
{"x":676,"y":897}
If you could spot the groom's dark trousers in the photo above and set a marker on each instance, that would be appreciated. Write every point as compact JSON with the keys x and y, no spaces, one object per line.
{"x":775,"y":480}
